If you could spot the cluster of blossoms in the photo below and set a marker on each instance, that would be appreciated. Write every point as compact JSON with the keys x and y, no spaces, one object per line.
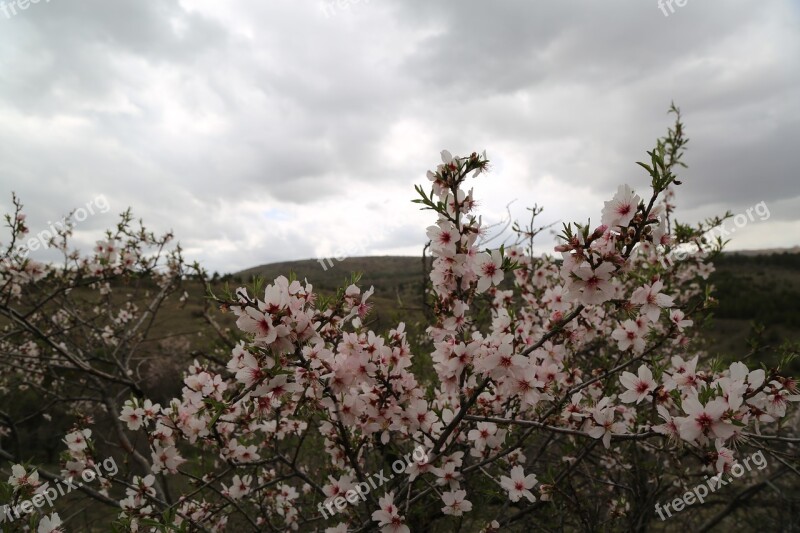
{"x":532,"y":363}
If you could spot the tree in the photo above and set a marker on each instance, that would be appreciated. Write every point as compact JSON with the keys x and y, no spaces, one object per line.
{"x":563,"y":392}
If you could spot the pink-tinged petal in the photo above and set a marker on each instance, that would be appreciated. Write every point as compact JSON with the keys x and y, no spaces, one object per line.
{"x":689,"y":430}
{"x":664,"y":301}
{"x":756,"y":378}
{"x":630,"y":396}
{"x":596,"y":432}
{"x":657,"y":286}
{"x":723,"y":430}
{"x":628,"y":380}
{"x":716,"y":408}
{"x":692,"y":406}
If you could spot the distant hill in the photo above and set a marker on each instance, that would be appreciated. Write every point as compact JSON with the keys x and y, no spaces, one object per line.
{"x":398,"y":269}
{"x":395,"y":272}
{"x":766,"y":251}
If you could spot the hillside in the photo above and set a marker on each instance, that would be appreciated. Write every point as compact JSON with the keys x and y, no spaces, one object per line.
{"x":756,"y":288}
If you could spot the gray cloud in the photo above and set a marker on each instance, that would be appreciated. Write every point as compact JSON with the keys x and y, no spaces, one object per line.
{"x":211,"y":118}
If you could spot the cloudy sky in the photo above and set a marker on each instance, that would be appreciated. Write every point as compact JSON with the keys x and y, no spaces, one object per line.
{"x":268,"y":130}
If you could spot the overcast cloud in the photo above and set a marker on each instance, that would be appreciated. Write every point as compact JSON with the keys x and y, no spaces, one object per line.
{"x":262,"y":131}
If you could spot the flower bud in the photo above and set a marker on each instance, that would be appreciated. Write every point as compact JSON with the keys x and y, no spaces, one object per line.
{"x":596,"y":234}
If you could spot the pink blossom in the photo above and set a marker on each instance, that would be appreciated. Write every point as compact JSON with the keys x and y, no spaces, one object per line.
{"x":166,"y":459}
{"x":651,"y":300}
{"x":444,"y":238}
{"x":677,"y":318}
{"x":338,"y":487}
{"x":259,"y":324}
{"x":594,"y":284}
{"x":621,"y":209}
{"x":19,"y":477}
{"x":76,"y":440}
{"x":133,"y":416}
{"x":489,"y":270}
{"x":704,"y":420}
{"x":249,"y":372}
{"x":629,"y":335}
{"x":724,"y":457}
{"x":388,"y":516}
{"x":669,"y":428}
{"x":483,"y":434}
{"x":684,"y":375}
{"x":449,"y":475}
{"x":50,"y":524}
{"x":455,"y":503}
{"x":639,"y":387}
{"x":519,"y":485}
{"x":606,"y":427}
{"x":277,"y":386}
{"x":240,"y":487}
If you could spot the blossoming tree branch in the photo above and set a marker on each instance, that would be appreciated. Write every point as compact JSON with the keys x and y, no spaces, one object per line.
{"x":571,"y":389}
